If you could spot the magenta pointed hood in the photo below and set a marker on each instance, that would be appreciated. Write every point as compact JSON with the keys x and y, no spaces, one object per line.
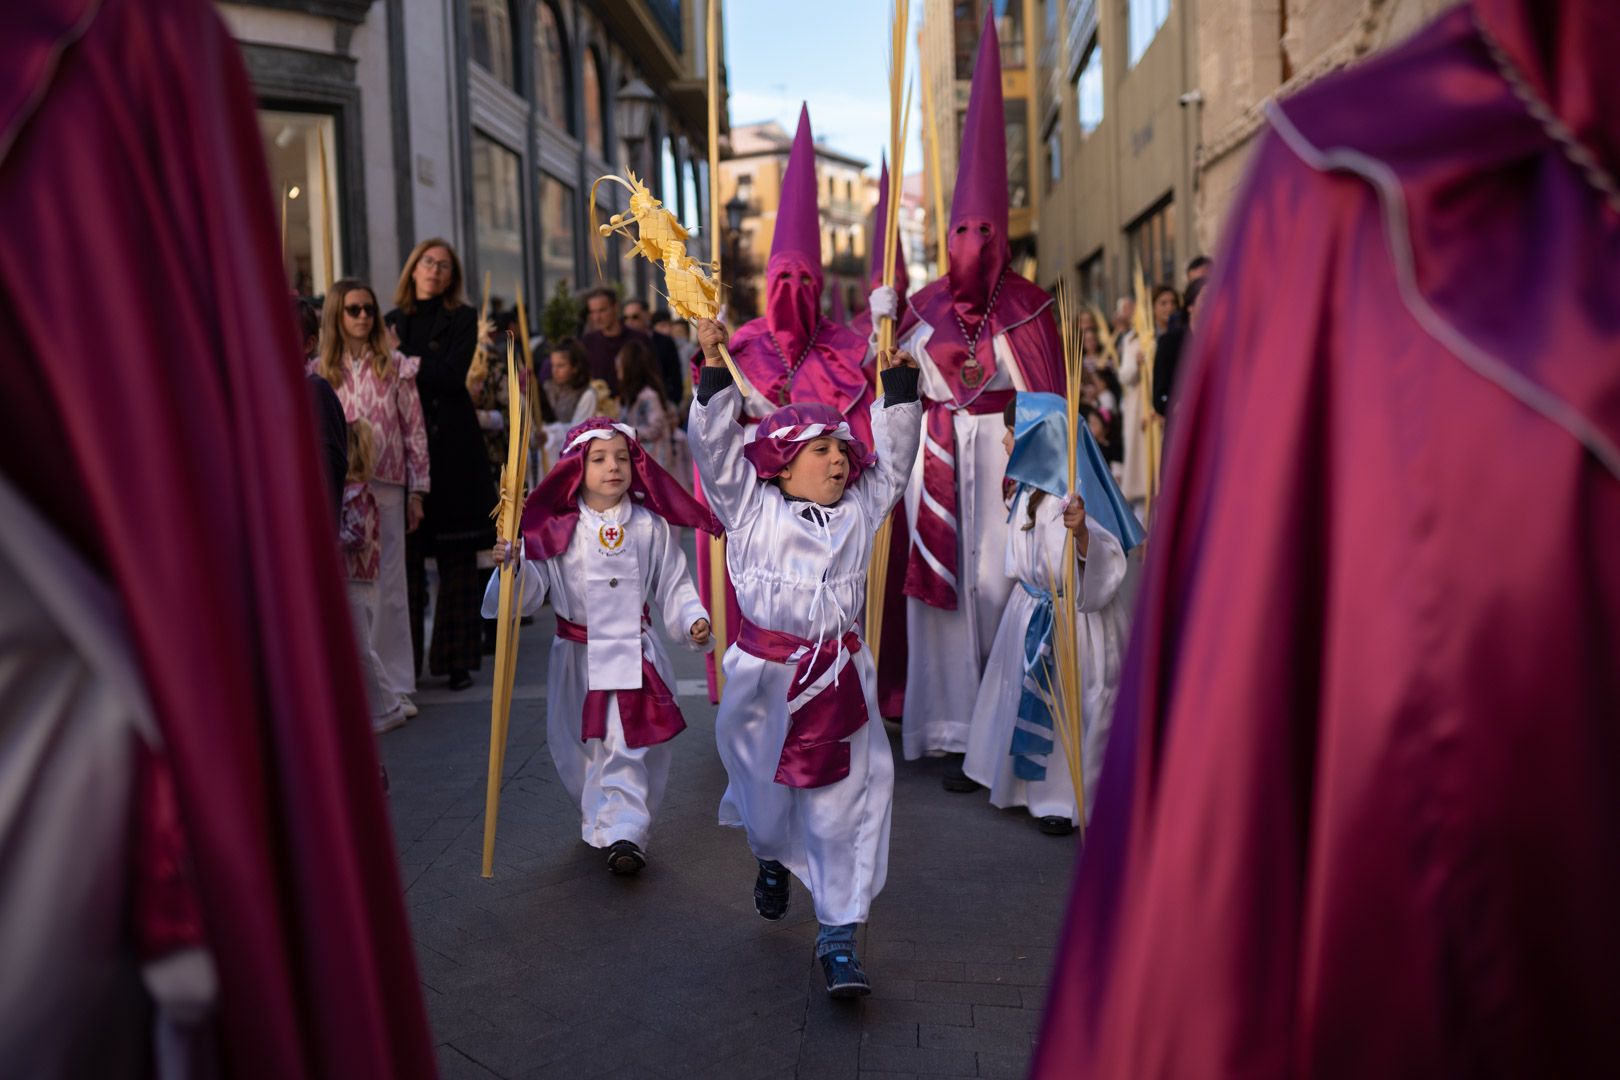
{"x":977,"y":246}
{"x":880,"y":236}
{"x":792,"y":309}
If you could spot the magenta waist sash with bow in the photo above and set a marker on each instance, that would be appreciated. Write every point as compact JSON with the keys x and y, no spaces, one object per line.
{"x":826,"y":704}
{"x":649,"y":715}
{"x":931,"y":569}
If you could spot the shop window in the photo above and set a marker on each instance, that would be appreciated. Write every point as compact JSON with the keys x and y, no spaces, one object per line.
{"x":302,"y":154}
{"x":551,"y":69}
{"x":557,"y":213}
{"x":1088,"y":89}
{"x":595,"y":115}
{"x":492,"y":45}
{"x":498,"y":217}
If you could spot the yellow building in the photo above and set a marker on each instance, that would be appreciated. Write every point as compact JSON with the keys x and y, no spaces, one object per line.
{"x":750,"y":186}
{"x":1118,"y":150}
{"x":949,"y":43}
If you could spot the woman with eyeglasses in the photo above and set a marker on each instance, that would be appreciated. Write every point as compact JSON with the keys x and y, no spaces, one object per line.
{"x":432,"y":323}
{"x":377,"y":384}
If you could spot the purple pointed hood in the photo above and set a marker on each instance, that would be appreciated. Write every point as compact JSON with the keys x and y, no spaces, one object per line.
{"x":792,"y":309}
{"x":798,"y":218}
{"x":880,"y":236}
{"x":977,"y":247}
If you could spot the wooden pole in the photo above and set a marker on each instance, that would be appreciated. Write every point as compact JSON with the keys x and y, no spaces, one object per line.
{"x":717,"y":544}
{"x":877,"y":570}
{"x":941,"y":214}
{"x":508,"y":511}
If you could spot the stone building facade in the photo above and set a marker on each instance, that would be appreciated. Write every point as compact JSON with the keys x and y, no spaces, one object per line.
{"x":480,"y":121}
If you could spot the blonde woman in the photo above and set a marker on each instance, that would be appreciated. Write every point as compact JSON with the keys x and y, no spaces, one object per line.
{"x":378,"y":385}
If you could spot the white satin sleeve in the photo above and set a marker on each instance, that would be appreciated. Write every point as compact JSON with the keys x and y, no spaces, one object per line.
{"x":716,"y":441}
{"x":897,"y":431}
{"x":531,"y":583}
{"x":1102,"y":571}
{"x":672,"y":585}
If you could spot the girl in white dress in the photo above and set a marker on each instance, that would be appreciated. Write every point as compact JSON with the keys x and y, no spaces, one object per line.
{"x":1012,"y":740}
{"x":597,"y":539}
{"x":811,"y":775}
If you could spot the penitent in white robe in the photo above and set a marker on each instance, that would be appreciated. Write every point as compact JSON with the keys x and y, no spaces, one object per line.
{"x":1036,"y":557}
{"x":603,"y":588}
{"x":800,"y":568}
{"x":947,"y":649}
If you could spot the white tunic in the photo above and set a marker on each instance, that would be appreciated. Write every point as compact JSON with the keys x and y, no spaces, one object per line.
{"x":603,"y":588}
{"x":1036,"y":557}
{"x":801,"y":569}
{"x":1134,"y":486}
{"x":946,"y":650}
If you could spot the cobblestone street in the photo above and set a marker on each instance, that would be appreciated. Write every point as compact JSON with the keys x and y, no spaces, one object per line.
{"x":557,"y":968}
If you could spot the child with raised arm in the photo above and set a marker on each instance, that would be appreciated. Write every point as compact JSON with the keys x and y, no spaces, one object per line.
{"x":811,"y":778}
{"x":597,"y":538}
{"x":1012,"y":745}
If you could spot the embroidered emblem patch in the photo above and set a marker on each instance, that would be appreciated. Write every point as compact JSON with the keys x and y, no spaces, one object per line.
{"x":611,"y":537}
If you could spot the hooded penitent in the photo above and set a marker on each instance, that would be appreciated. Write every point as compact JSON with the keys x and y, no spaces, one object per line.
{"x":1361,"y":802}
{"x":552,"y":510}
{"x":792,"y":353}
{"x":980,"y":298}
{"x":191,"y":438}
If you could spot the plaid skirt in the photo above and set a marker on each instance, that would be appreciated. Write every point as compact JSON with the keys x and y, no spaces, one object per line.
{"x":457,"y":625}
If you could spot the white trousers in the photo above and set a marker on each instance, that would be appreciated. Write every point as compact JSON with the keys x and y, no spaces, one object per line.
{"x":834,"y":839}
{"x":391,"y":607}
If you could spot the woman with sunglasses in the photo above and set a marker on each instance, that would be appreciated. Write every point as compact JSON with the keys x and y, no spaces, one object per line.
{"x":433,"y":324}
{"x":377,"y":384}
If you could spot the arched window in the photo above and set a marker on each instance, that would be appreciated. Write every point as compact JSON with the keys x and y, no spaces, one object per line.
{"x":493,"y":47}
{"x":551,"y":69}
{"x":590,"y":88}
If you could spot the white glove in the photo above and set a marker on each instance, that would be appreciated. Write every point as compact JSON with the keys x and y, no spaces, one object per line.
{"x":491,"y":420}
{"x":884,"y":303}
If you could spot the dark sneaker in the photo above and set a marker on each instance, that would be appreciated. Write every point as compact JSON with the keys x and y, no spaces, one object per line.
{"x":955,"y":779}
{"x":845,"y":979}
{"x":771,"y":892}
{"x":1056,"y":826}
{"x":460,"y":678}
{"x":624,"y":857}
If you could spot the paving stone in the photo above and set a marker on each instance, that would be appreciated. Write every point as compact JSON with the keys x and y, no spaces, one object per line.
{"x":970,"y":993}
{"x":977,"y":1039}
{"x":1027,"y":1021}
{"x":911,"y":1059}
{"x":1004,"y":1066}
{"x":889,"y":1034}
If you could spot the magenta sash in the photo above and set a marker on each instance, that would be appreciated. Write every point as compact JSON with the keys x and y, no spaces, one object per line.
{"x":931,"y":568}
{"x":826,"y":704}
{"x":649,"y":715}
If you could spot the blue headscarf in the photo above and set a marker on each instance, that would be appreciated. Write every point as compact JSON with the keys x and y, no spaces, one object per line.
{"x":1040,"y":444}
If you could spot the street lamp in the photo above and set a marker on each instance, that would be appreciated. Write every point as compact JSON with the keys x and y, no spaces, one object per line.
{"x":633,"y":109}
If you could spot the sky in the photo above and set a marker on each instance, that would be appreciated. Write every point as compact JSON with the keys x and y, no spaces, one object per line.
{"x":833,"y":54}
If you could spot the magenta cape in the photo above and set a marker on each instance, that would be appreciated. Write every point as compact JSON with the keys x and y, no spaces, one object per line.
{"x":832,"y":372}
{"x":1022,"y":312}
{"x":154,"y":411}
{"x":1361,"y":810}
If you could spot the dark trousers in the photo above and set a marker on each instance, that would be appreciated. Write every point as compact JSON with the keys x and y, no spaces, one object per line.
{"x":457,"y":625}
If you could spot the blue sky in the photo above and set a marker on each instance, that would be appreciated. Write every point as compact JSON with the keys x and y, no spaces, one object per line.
{"x":833,"y":54}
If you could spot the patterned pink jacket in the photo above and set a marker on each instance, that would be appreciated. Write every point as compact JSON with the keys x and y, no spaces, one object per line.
{"x":390,"y":403}
{"x":359,"y":533}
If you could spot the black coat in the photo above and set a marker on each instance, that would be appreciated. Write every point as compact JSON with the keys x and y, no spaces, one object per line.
{"x":333,"y":431}
{"x":1166,"y":360}
{"x":462,"y":493}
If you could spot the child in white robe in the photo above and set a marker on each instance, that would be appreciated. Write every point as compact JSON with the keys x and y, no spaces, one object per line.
{"x":799,"y":731}
{"x":1012,"y":740}
{"x":597,"y":540}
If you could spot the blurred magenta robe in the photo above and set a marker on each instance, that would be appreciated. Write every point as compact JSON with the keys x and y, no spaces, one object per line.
{"x":153,"y":409}
{"x":1361,"y":812}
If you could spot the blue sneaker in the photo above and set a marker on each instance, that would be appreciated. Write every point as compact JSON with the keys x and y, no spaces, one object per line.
{"x":845,"y":979}
{"x":771,"y":891}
